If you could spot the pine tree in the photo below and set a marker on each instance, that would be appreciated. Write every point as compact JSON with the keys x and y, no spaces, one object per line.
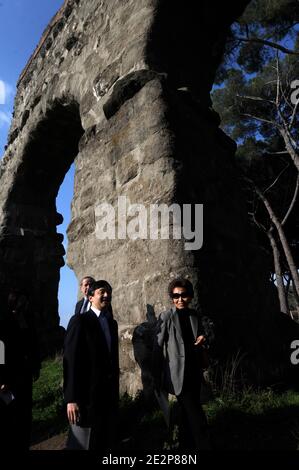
{"x":258,"y":98}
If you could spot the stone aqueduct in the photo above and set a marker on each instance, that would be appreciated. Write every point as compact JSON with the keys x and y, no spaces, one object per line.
{"x":122,"y":87}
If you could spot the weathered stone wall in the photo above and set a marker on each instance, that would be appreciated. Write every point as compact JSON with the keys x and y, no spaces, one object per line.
{"x":122,"y":87}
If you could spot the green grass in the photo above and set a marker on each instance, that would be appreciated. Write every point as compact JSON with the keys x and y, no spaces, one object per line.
{"x":141,"y":425}
{"x":255,"y":420}
{"x":48,"y":410}
{"x":239,"y":420}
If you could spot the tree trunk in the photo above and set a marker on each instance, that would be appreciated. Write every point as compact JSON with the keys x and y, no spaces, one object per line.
{"x":279,"y":279}
{"x":284,"y":242}
{"x":290,"y":146}
{"x":296,"y":296}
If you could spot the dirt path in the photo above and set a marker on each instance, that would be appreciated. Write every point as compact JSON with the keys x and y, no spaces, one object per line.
{"x":54,"y":443}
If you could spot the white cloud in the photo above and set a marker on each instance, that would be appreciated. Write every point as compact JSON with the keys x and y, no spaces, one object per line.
{"x":2,"y":92}
{"x":6,"y":92}
{"x":5,"y":118}
{"x":10,"y":90}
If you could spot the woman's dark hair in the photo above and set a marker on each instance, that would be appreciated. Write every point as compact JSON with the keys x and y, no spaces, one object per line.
{"x":98,"y":285}
{"x":181,"y":282}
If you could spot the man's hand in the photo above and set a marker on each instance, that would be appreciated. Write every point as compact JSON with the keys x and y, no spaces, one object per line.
{"x":73,"y":413}
{"x":200,"y":340}
{"x":3,"y":387}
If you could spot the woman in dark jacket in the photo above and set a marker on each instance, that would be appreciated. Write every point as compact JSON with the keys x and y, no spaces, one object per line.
{"x":182,"y":338}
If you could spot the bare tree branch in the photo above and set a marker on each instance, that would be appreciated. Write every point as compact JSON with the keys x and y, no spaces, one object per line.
{"x":283,"y":303}
{"x":285,"y":98}
{"x":293,"y":115}
{"x":278,"y":272}
{"x":259,"y":224}
{"x":277,"y":178}
{"x":268,"y":43}
{"x":282,"y":237}
{"x":290,"y":145}
{"x":273,"y":123}
{"x":277,"y":101}
{"x":292,"y":202}
{"x":255,"y":98}
{"x":283,"y":152}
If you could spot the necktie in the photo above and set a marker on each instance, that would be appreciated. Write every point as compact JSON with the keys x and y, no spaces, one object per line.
{"x":84,"y":306}
{"x":105,"y":329}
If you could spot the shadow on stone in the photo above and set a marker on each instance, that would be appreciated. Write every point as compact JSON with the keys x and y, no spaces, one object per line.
{"x":143,"y":337}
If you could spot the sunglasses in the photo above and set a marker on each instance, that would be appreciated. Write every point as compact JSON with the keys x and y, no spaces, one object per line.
{"x":184,"y":295}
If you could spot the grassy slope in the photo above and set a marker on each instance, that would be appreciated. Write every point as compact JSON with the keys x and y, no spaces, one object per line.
{"x":247,"y":420}
{"x":48,"y":410}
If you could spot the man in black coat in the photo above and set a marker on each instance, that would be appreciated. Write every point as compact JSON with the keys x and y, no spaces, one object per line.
{"x":83,"y":305}
{"x":91,"y":373}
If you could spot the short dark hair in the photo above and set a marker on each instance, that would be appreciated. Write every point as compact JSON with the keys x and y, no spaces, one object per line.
{"x":181,"y":282}
{"x":87,"y":277}
{"x":98,"y":285}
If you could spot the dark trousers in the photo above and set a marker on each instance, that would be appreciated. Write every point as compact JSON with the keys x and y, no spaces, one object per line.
{"x":100,"y":436}
{"x":103,"y":436}
{"x":194,"y":427}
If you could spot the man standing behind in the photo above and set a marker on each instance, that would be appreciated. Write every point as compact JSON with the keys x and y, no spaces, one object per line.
{"x":91,"y":373}
{"x":83,"y":305}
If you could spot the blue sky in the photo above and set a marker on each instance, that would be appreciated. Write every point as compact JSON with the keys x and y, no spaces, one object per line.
{"x":22,"y":24}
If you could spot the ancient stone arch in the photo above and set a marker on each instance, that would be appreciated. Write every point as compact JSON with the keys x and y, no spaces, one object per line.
{"x":32,"y":248}
{"x":121,"y":87}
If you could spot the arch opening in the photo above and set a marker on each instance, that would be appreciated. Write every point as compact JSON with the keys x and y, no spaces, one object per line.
{"x":32,"y":248}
